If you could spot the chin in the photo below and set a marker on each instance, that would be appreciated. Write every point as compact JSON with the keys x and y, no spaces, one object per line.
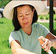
{"x":26,"y":26}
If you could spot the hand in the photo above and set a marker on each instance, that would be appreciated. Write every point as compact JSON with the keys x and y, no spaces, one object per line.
{"x":47,"y":44}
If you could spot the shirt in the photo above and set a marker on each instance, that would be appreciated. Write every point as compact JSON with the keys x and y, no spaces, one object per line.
{"x":31,"y":42}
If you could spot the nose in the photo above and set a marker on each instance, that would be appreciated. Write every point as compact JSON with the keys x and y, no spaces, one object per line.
{"x":24,"y":18}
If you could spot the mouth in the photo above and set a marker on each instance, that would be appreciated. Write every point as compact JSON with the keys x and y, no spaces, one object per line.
{"x":25,"y":23}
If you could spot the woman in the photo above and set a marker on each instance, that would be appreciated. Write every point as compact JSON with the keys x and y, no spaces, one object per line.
{"x":24,"y":38}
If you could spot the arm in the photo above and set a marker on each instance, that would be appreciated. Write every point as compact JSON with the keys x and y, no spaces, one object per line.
{"x":17,"y":49}
{"x":52,"y":38}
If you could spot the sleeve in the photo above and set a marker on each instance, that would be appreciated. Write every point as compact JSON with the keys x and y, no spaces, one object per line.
{"x":14,"y":36}
{"x":43,"y":30}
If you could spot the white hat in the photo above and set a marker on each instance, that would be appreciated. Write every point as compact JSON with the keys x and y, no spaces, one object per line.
{"x":9,"y":8}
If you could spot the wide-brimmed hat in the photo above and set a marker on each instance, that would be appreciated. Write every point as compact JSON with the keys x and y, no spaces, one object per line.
{"x":9,"y":8}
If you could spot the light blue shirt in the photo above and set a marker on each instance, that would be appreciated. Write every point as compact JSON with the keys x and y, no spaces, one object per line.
{"x":31,"y":42}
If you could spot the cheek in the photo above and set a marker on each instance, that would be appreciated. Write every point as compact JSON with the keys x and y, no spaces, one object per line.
{"x":20,"y":21}
{"x":30,"y":20}
{"x":31,"y":17}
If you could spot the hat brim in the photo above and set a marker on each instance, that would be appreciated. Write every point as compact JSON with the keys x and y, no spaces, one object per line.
{"x":9,"y":8}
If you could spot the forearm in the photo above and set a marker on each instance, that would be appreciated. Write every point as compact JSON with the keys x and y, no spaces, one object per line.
{"x":22,"y":51}
{"x":52,"y":38}
{"x":53,"y":42}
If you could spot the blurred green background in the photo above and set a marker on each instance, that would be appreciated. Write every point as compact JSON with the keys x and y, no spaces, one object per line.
{"x":3,"y":2}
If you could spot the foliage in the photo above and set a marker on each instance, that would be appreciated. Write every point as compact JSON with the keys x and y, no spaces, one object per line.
{"x":3,"y":2}
{"x":5,"y":29}
{"x":46,"y":17}
{"x":41,"y":17}
{"x":55,"y":17}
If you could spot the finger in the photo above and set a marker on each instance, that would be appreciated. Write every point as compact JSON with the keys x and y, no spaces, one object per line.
{"x":46,"y":42}
{"x":47,"y":48}
{"x":42,"y":38}
{"x":44,"y":46}
{"x":50,"y":43}
{"x":47,"y":45}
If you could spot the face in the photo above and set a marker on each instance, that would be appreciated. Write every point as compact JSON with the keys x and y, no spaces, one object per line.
{"x":25,"y":16}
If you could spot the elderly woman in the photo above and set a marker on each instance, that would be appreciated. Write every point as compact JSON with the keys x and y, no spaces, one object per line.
{"x":24,"y":38}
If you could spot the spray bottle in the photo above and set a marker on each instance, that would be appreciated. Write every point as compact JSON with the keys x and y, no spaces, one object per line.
{"x":42,"y":42}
